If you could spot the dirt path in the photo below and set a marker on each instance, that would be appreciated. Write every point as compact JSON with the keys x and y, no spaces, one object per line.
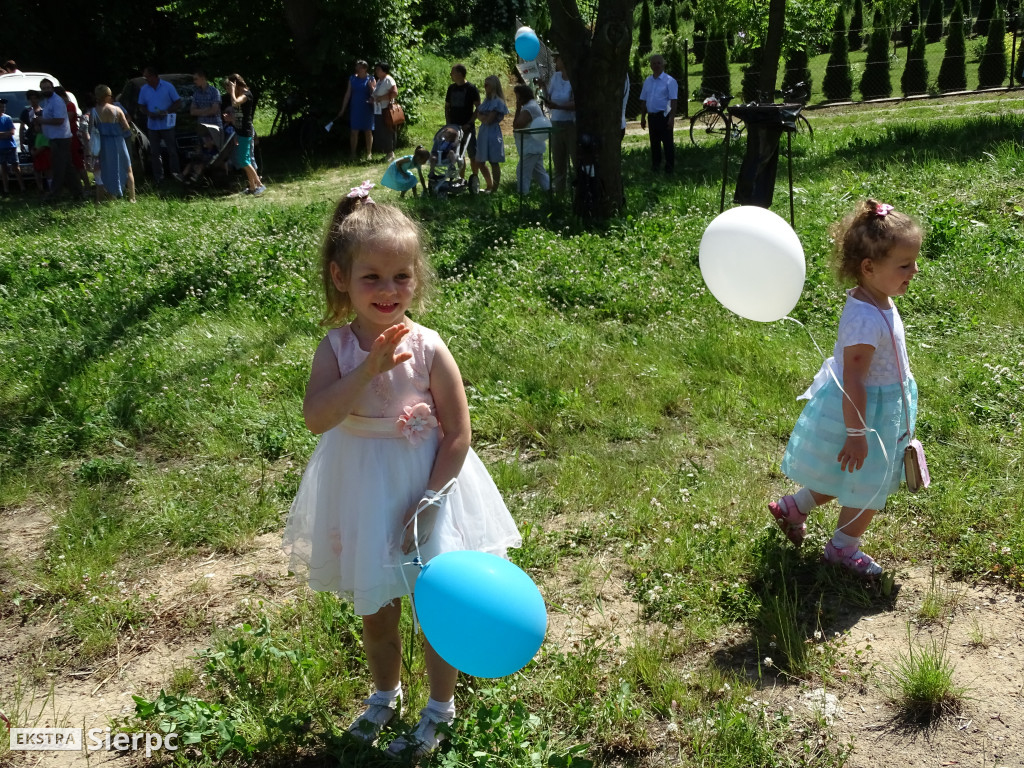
{"x":983,"y":630}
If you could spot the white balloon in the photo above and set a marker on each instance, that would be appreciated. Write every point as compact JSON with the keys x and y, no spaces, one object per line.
{"x":522,"y":31}
{"x":752,"y":262}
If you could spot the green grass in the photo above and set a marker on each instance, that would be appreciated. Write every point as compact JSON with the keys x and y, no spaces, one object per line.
{"x":921,"y":686}
{"x":153,"y":360}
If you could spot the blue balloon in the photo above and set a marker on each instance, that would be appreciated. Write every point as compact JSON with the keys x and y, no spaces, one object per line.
{"x":482,"y":614}
{"x":528,"y":45}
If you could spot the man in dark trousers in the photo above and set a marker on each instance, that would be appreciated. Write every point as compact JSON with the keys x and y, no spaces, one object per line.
{"x":658,"y":101}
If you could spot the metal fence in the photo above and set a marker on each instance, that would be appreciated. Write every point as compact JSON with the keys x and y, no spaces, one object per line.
{"x":868,"y":82}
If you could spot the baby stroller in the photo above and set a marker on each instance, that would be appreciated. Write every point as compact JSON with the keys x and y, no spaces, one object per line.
{"x":448,"y":163}
{"x":213,"y":169}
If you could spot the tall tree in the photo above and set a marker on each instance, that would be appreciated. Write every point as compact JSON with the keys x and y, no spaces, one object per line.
{"x":914,"y":80}
{"x":992,"y":69}
{"x":838,"y":82}
{"x":595,"y":53}
{"x":933,"y":24}
{"x":953,"y":70}
{"x":875,"y":83}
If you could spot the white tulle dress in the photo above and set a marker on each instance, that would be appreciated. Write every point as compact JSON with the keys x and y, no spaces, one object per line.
{"x":344,"y":532}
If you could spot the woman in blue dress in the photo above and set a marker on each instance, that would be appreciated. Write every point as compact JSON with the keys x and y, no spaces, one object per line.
{"x":360,"y":108}
{"x":111,"y":123}
{"x":490,"y":147}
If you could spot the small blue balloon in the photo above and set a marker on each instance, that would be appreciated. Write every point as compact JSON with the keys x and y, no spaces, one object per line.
{"x":528,"y":45}
{"x":482,"y":614}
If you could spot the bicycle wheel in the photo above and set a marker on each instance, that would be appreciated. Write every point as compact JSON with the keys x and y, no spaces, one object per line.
{"x":708,"y":127}
{"x":804,"y":126}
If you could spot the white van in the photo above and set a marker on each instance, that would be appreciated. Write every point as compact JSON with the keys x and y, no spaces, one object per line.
{"x":13,"y":88}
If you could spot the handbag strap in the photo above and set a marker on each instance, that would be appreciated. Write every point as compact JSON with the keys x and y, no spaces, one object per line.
{"x":899,"y":367}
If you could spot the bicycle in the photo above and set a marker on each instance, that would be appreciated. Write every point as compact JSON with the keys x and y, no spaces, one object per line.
{"x":713,"y":121}
{"x":799,"y":93}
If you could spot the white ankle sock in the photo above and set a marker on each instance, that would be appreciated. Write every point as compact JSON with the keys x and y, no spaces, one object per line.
{"x":804,"y":500}
{"x":841,"y":540}
{"x":444,"y":709}
{"x":389,"y":696}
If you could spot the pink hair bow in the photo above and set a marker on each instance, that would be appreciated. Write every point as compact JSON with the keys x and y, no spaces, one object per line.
{"x":883,"y":209}
{"x":363,"y":191}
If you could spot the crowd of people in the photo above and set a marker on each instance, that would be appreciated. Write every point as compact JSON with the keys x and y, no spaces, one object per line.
{"x":66,"y":146}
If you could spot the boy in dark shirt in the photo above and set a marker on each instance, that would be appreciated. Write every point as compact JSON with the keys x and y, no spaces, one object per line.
{"x":460,"y":105}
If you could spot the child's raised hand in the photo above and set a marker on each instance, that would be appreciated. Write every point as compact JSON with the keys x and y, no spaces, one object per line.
{"x":853,"y":453}
{"x":382,"y":355}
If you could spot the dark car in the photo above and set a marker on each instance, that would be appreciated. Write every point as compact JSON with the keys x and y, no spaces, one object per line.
{"x":186,"y":131}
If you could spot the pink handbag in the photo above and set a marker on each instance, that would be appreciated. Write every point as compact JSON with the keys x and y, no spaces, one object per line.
{"x":914,"y":465}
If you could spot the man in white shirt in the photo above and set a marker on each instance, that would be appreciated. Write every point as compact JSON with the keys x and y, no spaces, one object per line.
{"x":658,"y":101}
{"x":57,"y":129}
{"x":159,"y":101}
{"x":558,"y":98}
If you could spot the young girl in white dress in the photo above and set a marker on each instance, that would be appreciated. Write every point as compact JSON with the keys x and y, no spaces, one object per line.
{"x":387,"y":397}
{"x":835,"y":450}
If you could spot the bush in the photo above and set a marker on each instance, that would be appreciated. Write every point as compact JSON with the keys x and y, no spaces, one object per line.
{"x":797,"y":70}
{"x":915,"y":77}
{"x":1019,"y":74}
{"x":672,"y":50}
{"x":911,"y":25}
{"x":855,"y":35}
{"x":751,"y":77}
{"x":987,"y":13}
{"x":716,"y":64}
{"x":933,"y":25}
{"x":838,"y":82}
{"x":992,"y":69}
{"x":953,"y":70}
{"x":644,"y":41}
{"x":875,"y":83}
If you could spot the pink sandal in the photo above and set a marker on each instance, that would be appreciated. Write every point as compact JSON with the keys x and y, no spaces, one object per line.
{"x":792,"y":522}
{"x":852,"y":559}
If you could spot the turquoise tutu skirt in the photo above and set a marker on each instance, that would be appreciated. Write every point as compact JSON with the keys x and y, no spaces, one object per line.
{"x":397,"y":179}
{"x":820,"y":433}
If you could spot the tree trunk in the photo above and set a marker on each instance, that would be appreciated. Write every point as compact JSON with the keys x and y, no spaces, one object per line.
{"x":772,"y":51}
{"x":302,"y":17}
{"x":596,"y":60}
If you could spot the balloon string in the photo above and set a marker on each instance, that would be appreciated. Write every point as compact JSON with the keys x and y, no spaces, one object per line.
{"x":438,"y":498}
{"x":867,"y":429}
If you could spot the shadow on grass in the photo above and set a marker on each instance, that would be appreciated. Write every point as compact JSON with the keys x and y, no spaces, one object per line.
{"x":800,"y":595}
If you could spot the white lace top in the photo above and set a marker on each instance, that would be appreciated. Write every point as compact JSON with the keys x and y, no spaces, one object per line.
{"x":862,"y":323}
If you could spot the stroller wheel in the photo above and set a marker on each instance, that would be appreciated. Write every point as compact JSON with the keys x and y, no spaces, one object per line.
{"x":474,"y":184}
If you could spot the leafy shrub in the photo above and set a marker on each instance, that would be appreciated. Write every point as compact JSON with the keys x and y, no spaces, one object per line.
{"x":992,"y":69}
{"x":838,"y":82}
{"x":855,"y":35}
{"x":797,"y":70}
{"x":875,"y":83}
{"x":953,"y":70}
{"x":644,"y":40}
{"x":914,"y":80}
{"x":716,"y":65}
{"x":933,"y":24}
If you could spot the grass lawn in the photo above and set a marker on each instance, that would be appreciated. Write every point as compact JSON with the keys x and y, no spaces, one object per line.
{"x":153,"y":360}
